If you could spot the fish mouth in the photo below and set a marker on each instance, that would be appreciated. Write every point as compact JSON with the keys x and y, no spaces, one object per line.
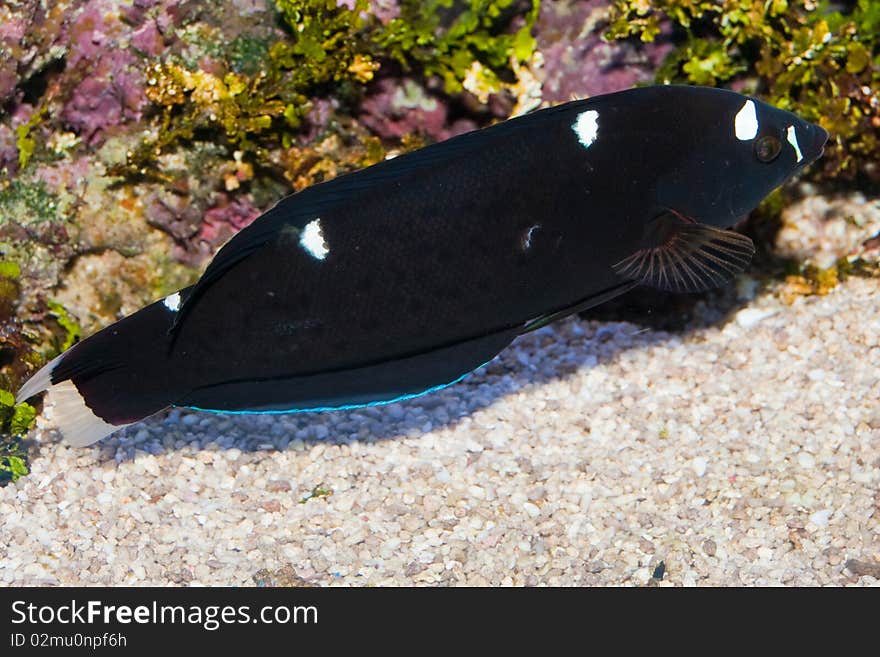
{"x":818,"y":138}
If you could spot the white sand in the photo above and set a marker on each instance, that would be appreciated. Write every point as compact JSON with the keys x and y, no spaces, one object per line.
{"x":745,"y":452}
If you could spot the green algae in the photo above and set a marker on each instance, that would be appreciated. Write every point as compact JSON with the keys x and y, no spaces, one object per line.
{"x":247,"y":53}
{"x":814,"y":58}
{"x":25,"y":140}
{"x":9,"y":289}
{"x":260,"y":100}
{"x":423,"y":37}
{"x":316,"y":492}
{"x":807,"y":279}
{"x":9,"y":269}
{"x":27,"y":202}
{"x":27,"y":346}
{"x":25,"y":143}
{"x":12,"y":468}
{"x":24,"y":347}
{"x":71,"y":329}
{"x":15,"y":421}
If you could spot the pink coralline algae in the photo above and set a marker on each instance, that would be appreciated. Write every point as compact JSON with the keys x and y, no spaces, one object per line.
{"x":224,"y":220}
{"x":111,"y":91}
{"x":198,"y":232}
{"x":31,"y":34}
{"x":384,"y":10}
{"x":72,"y":176}
{"x":112,"y":97}
{"x":320,"y":116}
{"x":395,"y":108}
{"x":97,"y":49}
{"x":578,"y":63}
{"x":8,"y":149}
{"x":177,"y":215}
{"x":147,"y":39}
{"x":8,"y":79}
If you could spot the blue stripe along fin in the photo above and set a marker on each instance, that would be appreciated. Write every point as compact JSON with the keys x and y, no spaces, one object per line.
{"x":342,"y":407}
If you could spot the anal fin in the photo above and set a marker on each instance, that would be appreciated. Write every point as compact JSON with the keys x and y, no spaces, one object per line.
{"x":684,"y":256}
{"x":367,"y":385}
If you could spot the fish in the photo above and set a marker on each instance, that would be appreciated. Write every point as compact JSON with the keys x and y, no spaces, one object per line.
{"x":400,"y":279}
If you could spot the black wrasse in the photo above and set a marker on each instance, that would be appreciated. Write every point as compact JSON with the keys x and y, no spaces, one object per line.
{"x":402,"y":278}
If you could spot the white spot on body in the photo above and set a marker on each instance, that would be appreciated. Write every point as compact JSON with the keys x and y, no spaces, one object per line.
{"x":172,"y":302}
{"x":791,"y":135}
{"x":745,"y":124}
{"x":586,"y":127}
{"x":312,"y":240}
{"x":527,"y":238}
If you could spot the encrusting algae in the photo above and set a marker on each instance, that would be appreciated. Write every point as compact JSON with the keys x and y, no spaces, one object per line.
{"x":333,"y":45}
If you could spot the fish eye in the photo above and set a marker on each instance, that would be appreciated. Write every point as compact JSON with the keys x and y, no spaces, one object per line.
{"x":767,"y":148}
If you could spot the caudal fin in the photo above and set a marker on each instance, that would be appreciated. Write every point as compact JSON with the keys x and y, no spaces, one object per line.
{"x":77,"y":423}
{"x":116,"y":377}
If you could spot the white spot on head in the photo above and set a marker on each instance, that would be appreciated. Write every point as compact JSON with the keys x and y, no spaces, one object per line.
{"x":172,"y":302}
{"x":312,"y":240}
{"x":791,"y":135}
{"x":745,"y":124}
{"x":586,"y":127}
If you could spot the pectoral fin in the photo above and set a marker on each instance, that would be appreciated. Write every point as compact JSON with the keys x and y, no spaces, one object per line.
{"x":684,"y":256}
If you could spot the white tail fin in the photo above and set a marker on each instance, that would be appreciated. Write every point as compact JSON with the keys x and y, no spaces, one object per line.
{"x":75,"y":421}
{"x":39,"y":382}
